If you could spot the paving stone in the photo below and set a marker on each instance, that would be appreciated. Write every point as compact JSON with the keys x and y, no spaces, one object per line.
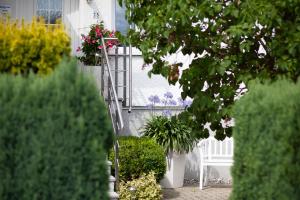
{"x":194,"y":193}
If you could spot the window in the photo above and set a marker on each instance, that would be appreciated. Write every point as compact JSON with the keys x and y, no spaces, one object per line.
{"x":50,"y":10}
{"x":121,"y":23}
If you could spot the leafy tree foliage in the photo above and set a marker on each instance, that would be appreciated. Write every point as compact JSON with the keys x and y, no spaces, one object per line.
{"x":234,"y":42}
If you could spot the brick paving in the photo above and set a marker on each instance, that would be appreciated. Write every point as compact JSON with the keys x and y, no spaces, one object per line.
{"x":193,"y":192}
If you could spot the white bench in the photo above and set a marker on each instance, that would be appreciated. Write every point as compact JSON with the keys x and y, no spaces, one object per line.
{"x":215,"y":153}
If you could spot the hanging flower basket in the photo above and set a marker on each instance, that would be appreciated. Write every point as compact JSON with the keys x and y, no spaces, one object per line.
{"x":92,"y":44}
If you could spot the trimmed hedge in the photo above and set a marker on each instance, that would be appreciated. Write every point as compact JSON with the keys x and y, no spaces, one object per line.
{"x":138,"y":156}
{"x":54,"y":137}
{"x":267,"y":141}
{"x":35,"y":47}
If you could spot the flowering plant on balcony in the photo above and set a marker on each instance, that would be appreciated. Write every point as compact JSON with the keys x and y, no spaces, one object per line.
{"x":92,"y":44}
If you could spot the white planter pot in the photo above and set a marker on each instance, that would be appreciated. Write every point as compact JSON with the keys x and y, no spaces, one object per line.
{"x":93,"y":71}
{"x":175,"y":171}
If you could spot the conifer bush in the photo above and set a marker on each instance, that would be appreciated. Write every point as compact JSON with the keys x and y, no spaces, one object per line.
{"x":267,"y":141}
{"x":54,"y":137}
{"x":34,"y":46}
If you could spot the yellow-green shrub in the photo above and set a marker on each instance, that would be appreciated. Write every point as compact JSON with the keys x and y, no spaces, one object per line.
{"x":146,"y":188}
{"x":31,"y":46}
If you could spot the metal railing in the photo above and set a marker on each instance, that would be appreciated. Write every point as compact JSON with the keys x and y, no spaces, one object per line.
{"x":127,"y":73}
{"x":110,"y":95}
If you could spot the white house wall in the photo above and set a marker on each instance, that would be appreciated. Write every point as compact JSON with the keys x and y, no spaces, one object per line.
{"x":25,"y":9}
{"x":21,"y":9}
{"x":71,"y":19}
{"x":11,"y":3}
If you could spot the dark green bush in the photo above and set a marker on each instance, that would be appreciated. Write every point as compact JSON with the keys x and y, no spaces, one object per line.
{"x":52,"y":137}
{"x":138,"y":156}
{"x":267,"y":141}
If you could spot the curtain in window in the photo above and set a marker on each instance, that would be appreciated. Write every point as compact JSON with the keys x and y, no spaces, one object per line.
{"x":50,"y":10}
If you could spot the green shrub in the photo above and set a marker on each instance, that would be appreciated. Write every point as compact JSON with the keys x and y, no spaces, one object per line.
{"x":31,"y":46}
{"x":267,"y":141}
{"x":146,"y":188}
{"x":54,"y":136}
{"x":138,"y":156}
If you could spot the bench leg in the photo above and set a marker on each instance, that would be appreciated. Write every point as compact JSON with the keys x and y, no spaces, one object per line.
{"x":201,"y":177}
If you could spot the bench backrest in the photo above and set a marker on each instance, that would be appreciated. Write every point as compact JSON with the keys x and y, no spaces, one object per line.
{"x":213,"y":149}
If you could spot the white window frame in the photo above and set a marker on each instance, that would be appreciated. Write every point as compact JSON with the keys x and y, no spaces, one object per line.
{"x":48,"y":20}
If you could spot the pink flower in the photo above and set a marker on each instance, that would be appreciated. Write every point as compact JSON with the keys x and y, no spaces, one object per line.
{"x":109,"y":44}
{"x":112,"y":34}
{"x":88,"y":39}
{"x":78,"y":49}
{"x":98,"y":31}
{"x":83,"y":37}
{"x":100,"y":47}
{"x":115,"y":42}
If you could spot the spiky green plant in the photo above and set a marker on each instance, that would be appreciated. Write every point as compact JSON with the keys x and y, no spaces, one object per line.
{"x":170,"y":133}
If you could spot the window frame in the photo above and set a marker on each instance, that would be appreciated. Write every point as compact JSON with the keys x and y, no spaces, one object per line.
{"x":115,"y":16}
{"x":48,"y":10}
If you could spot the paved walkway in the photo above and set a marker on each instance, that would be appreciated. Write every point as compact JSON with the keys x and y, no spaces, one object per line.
{"x":193,"y":193}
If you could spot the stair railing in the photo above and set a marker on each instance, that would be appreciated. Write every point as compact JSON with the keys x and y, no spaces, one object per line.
{"x":111,"y":97}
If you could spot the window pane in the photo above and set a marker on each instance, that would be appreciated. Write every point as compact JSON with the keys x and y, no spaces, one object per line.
{"x":56,"y":5}
{"x":54,"y":15}
{"x":42,"y":4}
{"x":44,"y":14}
{"x":121,"y":23}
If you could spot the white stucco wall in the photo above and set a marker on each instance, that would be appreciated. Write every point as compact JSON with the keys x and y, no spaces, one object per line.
{"x":11,"y":4}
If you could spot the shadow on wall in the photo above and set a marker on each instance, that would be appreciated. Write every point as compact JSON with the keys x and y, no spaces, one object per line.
{"x":71,"y":22}
{"x":94,"y":72}
{"x":135,"y":120}
{"x":192,"y":165}
{"x":217,"y":175}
